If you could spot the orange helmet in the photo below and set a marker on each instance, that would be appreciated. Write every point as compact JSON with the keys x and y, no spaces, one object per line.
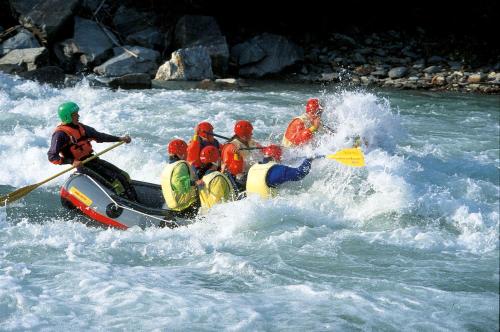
{"x":177,"y":147}
{"x":209,"y":154}
{"x":203,"y":128}
{"x":243,"y":129}
{"x":313,"y":106}
{"x":273,"y":151}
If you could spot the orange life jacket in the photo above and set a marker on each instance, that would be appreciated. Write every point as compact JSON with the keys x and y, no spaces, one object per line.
{"x":79,"y":144}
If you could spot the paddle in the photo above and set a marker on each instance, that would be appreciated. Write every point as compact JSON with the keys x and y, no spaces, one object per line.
{"x":351,"y":157}
{"x":21,"y":192}
{"x":217,"y":135}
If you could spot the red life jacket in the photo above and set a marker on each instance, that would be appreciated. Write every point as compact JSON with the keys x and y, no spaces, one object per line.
{"x":79,"y":144}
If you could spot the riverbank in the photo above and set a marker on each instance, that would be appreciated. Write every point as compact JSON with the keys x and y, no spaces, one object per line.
{"x":128,"y":46}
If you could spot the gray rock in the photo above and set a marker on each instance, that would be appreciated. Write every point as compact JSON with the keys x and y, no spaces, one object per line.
{"x":247,"y":53}
{"x":148,"y":38}
{"x":280,"y":53}
{"x":436,"y":59}
{"x":397,"y":72}
{"x":49,"y":16}
{"x":195,"y":29}
{"x":381,"y":73}
{"x":188,"y":64}
{"x":23,"y":39}
{"x":131,"y":81}
{"x":358,"y":58}
{"x":24,"y":59}
{"x":432,"y":69}
{"x":218,"y":50}
{"x":129,"y":21}
{"x":92,"y":42}
{"x":22,"y":7}
{"x":143,"y":60}
{"x":50,"y":74}
{"x":343,"y":40}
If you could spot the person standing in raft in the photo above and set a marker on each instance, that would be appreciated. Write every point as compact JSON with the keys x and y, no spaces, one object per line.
{"x":70,"y":144}
{"x":235,"y":161}
{"x":214,"y":187}
{"x":302,"y":129}
{"x":264,"y":177}
{"x":178,"y":181}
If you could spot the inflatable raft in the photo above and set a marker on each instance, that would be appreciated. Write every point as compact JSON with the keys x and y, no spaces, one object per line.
{"x":103,"y":206}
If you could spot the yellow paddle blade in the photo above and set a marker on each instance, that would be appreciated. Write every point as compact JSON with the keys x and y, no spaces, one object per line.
{"x":17,"y":194}
{"x":351,"y":157}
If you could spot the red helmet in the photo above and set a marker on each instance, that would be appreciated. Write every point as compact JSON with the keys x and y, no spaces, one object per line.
{"x":203,"y":128}
{"x":273,"y":151}
{"x":177,"y":147}
{"x":313,"y":106}
{"x":209,"y":154}
{"x":243,"y":129}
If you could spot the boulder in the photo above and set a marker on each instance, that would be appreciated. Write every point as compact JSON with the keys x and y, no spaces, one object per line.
{"x":23,"y":39}
{"x":129,"y":21}
{"x":131,"y":81}
{"x":188,"y":64}
{"x":22,"y":7}
{"x":432,"y":69}
{"x":148,"y":38}
{"x":50,"y":74}
{"x":192,"y":29}
{"x":92,"y":42}
{"x":196,"y":30}
{"x":246,"y":53}
{"x":49,"y":17}
{"x":24,"y":59}
{"x":131,"y":60}
{"x":397,"y":72}
{"x":279,"y":54}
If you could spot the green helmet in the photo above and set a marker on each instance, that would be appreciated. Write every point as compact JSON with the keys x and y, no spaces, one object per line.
{"x":65,"y":111}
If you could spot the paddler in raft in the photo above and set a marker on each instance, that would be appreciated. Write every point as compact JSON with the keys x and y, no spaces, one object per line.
{"x":178,"y":181}
{"x":203,"y":136}
{"x":70,"y":144}
{"x":265,"y":177}
{"x":302,"y":129}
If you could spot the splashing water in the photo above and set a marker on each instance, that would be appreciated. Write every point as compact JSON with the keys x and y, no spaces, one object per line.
{"x":412,"y":238}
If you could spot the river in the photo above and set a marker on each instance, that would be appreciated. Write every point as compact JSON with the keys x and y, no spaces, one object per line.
{"x":409,"y":242}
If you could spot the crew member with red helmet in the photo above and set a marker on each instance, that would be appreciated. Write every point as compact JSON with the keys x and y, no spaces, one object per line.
{"x":214,"y":187}
{"x":178,"y":181}
{"x":266,"y":176}
{"x":301,"y":129}
{"x":203,"y":136}
{"x":236,"y":161}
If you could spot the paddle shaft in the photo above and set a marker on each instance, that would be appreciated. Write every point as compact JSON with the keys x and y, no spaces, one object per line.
{"x":83,"y":162}
{"x":217,"y":135}
{"x":21,"y":192}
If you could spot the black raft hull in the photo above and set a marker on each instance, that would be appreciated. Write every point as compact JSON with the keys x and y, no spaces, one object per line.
{"x":106,"y":208}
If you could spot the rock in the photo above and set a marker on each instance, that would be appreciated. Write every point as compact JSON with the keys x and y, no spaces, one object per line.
{"x":438,"y":80}
{"x":436,"y":59}
{"x":280,"y":53}
{"x":329,"y":77}
{"x":363,"y":70}
{"x":142,"y":61}
{"x":195,"y":29}
{"x":50,"y":74}
{"x":24,"y":59}
{"x":49,"y":17}
{"x":343,"y":40}
{"x":148,"y":38}
{"x":23,"y":39}
{"x":398,"y":72}
{"x":476,"y":78}
{"x":92,"y":42}
{"x":358,"y":58}
{"x":129,"y":21}
{"x":432,"y":69}
{"x":247,"y":53}
{"x":189,"y":64}
{"x":131,"y":81}
{"x":22,"y":7}
{"x":380,"y":73}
